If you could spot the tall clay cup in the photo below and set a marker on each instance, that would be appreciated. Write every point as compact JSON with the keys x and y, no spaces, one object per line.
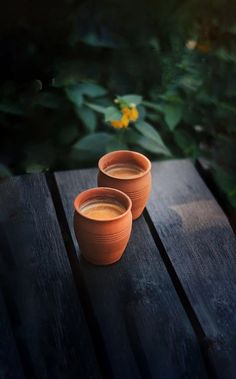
{"x":102,"y":241}
{"x":137,"y":187}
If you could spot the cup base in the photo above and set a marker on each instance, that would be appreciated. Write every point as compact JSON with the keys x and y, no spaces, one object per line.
{"x":136,"y":213}
{"x":101,"y":262}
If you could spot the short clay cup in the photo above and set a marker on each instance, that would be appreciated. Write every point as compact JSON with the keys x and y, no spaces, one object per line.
{"x":102,"y":242}
{"x":138,"y":188}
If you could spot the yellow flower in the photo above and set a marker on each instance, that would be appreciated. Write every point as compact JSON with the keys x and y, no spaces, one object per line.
{"x":125,"y":120}
{"x":128,"y":114}
{"x":122,"y":123}
{"x":117,"y":124}
{"x":133,"y":115}
{"x":125,"y":111}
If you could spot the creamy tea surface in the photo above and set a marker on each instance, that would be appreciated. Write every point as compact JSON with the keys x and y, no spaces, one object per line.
{"x":102,"y":209}
{"x":124,"y":170}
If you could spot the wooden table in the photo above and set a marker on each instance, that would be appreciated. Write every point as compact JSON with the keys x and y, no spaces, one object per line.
{"x":166,"y":310}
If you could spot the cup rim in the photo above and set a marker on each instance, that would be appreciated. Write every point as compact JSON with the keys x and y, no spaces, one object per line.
{"x":131,"y":152}
{"x":102,"y":190}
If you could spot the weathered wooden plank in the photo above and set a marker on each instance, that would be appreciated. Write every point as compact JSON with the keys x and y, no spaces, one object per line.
{"x":10,"y":365}
{"x":145,"y":330}
{"x":36,"y":277}
{"x":201,"y":246}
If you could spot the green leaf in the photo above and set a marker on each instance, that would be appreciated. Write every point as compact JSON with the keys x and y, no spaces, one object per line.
{"x":153,"y":116}
{"x":142,"y":112}
{"x":151,"y":146}
{"x":148,"y":131}
{"x":75,"y":95}
{"x":173,"y":115}
{"x":96,"y":108}
{"x":92,"y":89}
{"x":149,"y":104}
{"x":130,"y":99}
{"x":190,"y":84}
{"x":225,"y":55}
{"x":88,"y":118}
{"x":112,"y":113}
{"x":171,"y":97}
{"x":76,"y":92}
{"x":96,"y":142}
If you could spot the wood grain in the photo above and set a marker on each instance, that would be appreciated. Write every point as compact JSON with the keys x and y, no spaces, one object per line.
{"x":201,"y":247}
{"x":37,"y":281}
{"x":144,"y":328}
{"x":10,"y":365}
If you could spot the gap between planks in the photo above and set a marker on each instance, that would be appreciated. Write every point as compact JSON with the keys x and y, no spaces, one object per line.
{"x":78,"y":277}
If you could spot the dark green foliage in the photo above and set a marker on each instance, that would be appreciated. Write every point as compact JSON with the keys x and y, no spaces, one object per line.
{"x":62,"y":64}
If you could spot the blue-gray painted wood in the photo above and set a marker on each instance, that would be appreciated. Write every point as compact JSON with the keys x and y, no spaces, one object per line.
{"x":145,"y":331}
{"x":36,"y":279}
{"x":201,"y":246}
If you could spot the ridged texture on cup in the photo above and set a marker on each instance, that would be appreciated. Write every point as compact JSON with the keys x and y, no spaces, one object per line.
{"x":137,"y":188}
{"x":102,"y":242}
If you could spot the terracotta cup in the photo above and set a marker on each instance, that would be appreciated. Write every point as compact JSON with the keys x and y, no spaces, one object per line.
{"x":137,"y":187}
{"x":102,"y":241}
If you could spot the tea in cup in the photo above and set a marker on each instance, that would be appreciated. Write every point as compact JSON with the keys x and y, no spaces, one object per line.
{"x":130,"y":172}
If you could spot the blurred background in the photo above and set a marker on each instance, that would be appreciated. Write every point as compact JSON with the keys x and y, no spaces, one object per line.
{"x":64,"y":62}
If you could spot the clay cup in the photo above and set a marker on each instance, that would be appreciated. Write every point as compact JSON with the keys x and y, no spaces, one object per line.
{"x":137,"y":187}
{"x":102,"y":241}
